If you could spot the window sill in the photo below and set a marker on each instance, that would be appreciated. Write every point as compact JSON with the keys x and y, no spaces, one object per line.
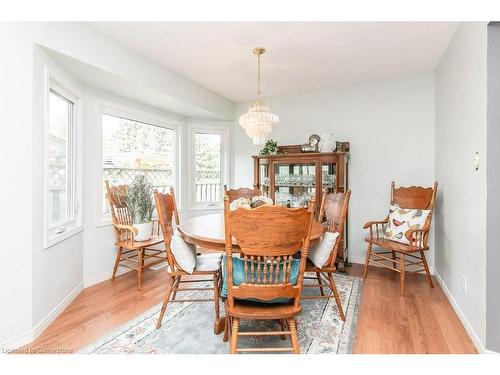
{"x":63,"y":236}
{"x":217,"y":207}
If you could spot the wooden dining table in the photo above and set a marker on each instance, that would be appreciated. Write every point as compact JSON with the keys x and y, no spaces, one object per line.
{"x":207,"y":232}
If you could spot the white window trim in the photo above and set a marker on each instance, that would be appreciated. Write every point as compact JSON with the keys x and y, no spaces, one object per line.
{"x":133,"y":114}
{"x":55,"y":82}
{"x":223,"y":131}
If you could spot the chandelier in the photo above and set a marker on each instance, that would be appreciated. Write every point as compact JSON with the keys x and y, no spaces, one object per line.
{"x":259,"y":121}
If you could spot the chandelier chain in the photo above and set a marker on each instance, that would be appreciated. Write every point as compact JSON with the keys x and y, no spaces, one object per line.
{"x":258,"y":74}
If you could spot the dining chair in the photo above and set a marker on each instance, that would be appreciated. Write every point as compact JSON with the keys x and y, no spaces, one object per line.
{"x":130,"y":254}
{"x":323,"y":255}
{"x":265,"y":282}
{"x":404,"y":232}
{"x":182,"y":257}
{"x":247,"y":193}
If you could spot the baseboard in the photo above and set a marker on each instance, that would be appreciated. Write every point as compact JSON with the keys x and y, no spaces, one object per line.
{"x":487,"y":351}
{"x":468,"y":328}
{"x":33,"y":333}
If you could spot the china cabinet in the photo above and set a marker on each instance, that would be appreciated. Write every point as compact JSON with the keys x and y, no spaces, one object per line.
{"x":291,"y":178}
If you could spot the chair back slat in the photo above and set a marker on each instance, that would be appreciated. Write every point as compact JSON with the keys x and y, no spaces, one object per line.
{"x":166,"y":208}
{"x":268,"y":238}
{"x":120,"y":214}
{"x":333,"y":215}
{"x":413,"y":196}
{"x":416,"y":197}
{"x":247,"y":193}
{"x":116,"y":198}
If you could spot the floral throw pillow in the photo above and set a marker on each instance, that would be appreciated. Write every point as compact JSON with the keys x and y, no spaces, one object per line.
{"x":403,"y":219}
{"x":261,"y":200}
{"x":240,"y":202}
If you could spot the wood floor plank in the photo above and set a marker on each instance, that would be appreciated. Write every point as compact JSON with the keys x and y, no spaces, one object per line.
{"x":421,"y":322}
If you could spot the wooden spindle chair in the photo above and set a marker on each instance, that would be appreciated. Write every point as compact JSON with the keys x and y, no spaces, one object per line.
{"x":333,"y":221}
{"x":167,"y":210}
{"x":247,"y":193}
{"x":131,"y":254}
{"x":268,"y":238}
{"x":414,"y":197}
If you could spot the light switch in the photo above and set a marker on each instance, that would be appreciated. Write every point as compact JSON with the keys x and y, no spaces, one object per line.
{"x":475,"y":161}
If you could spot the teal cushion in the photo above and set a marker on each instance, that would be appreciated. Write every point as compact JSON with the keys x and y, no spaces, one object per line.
{"x":239,"y":276}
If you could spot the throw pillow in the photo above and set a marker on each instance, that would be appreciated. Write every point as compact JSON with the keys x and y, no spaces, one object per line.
{"x":320,"y":252}
{"x":184,"y":253}
{"x":401,"y":220}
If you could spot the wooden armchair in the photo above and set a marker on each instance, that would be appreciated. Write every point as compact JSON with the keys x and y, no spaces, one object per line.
{"x":411,"y":254}
{"x":131,"y":254}
{"x":234,"y":194}
{"x":267,"y":256}
{"x":332,"y":214}
{"x":206,"y":264}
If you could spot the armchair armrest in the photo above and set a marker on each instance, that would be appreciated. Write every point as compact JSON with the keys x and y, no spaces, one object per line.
{"x":370,"y":223}
{"x":129,"y":228}
{"x":376,"y":226}
{"x":417,"y":238}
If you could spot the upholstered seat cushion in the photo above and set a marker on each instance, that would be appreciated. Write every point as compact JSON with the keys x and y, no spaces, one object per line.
{"x":393,"y":245}
{"x":239,"y":276}
{"x":320,"y":251}
{"x":208,"y":262}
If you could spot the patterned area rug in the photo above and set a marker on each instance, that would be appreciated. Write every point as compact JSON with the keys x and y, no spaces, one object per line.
{"x":188,"y":327}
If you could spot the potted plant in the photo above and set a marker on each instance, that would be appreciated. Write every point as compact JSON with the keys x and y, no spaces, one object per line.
{"x":140,"y":205}
{"x":270,"y":148}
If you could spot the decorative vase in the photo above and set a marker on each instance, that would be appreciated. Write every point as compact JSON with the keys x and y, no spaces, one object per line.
{"x":144,"y":231}
{"x":327,"y":143}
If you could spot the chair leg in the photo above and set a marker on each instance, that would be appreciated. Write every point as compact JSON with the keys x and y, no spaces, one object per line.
{"x":368,"y":253}
{"x":402,"y":276}
{"x":217,"y":324}
{"x":226,"y":329}
{"x":283,"y":327}
{"x":117,"y":262}
{"x":337,"y":296}
{"x":140,"y":257}
{"x":175,"y":286}
{"x":426,"y":266}
{"x":293,"y":335}
{"x":165,"y":300}
{"x":394,"y":258}
{"x":320,"y":282}
{"x":234,"y":335}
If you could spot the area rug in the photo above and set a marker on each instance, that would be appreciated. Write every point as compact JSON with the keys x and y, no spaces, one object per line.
{"x":188,"y":327}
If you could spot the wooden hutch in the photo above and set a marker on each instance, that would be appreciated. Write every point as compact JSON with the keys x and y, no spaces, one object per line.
{"x":293,"y":177}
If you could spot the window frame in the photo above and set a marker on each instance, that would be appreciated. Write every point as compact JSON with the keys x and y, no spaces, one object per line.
{"x":223,"y":131}
{"x":64,"y":89}
{"x":112,"y":109}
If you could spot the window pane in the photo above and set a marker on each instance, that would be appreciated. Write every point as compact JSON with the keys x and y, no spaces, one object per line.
{"x":207,"y":150}
{"x":60,"y":123}
{"x":132,"y":148}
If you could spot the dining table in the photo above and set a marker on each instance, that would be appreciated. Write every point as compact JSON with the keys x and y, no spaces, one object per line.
{"x":208,"y":232}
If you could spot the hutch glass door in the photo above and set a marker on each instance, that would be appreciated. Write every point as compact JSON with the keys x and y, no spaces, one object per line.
{"x":294,"y":184}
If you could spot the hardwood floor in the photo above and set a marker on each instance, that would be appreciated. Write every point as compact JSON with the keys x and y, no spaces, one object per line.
{"x":421,"y":322}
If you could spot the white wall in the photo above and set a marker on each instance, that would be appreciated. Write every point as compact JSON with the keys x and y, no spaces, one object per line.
{"x":390,"y":125}
{"x":39,"y":282}
{"x":16,"y":107}
{"x":64,"y":258}
{"x":461,"y":208}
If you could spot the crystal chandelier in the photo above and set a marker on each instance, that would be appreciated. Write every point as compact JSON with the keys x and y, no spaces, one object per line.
{"x":258,"y":122}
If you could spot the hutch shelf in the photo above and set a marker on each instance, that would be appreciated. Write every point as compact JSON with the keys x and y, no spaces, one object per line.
{"x":292,"y":179}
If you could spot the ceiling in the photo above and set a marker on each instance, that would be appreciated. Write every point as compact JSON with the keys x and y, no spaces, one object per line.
{"x":301,"y":56}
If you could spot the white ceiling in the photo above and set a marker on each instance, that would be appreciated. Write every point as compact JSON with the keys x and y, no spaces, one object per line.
{"x":301,"y":56}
